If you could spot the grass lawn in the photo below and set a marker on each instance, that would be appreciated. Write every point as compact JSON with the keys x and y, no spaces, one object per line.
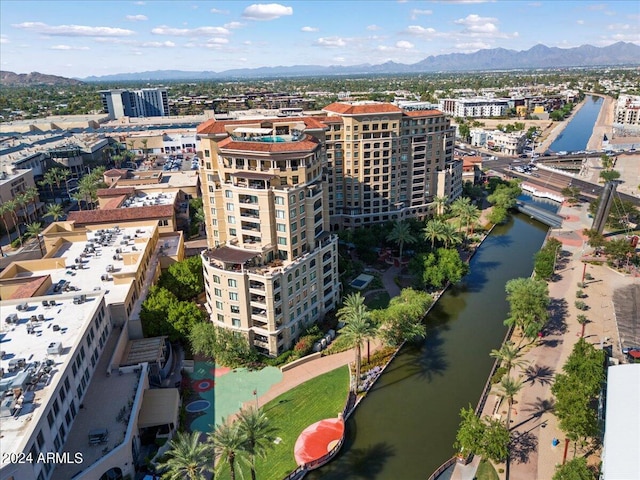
{"x":486,"y":471}
{"x":378,"y":301}
{"x":319,"y":398}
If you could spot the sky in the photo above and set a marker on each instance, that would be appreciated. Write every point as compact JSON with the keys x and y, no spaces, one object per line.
{"x":101,"y":37}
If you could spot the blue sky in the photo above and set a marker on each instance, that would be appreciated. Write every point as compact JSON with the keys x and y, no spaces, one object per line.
{"x":99,"y":37}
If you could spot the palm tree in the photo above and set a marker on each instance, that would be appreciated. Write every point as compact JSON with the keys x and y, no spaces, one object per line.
{"x":450,"y":235}
{"x":78,"y":197}
{"x":187,"y":457}
{"x":471,"y":215}
{"x":47,"y":181}
{"x":144,"y":142}
{"x":258,"y":435}
{"x":441,"y":204}
{"x":55,"y":211}
{"x":582,"y":320}
{"x":401,"y":234}
{"x":7,"y":207}
{"x":12,"y":206}
{"x":33,"y":230}
{"x":33,"y":196}
{"x":434,"y":230}
{"x":509,"y":356}
{"x":507,"y":389}
{"x":458,"y":208}
{"x":358,"y":327}
{"x":227,"y":444}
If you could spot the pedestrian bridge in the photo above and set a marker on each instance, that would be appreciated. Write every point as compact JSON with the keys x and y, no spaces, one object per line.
{"x":540,"y":214}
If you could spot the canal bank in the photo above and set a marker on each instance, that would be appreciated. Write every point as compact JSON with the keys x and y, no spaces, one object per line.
{"x":405,"y":427}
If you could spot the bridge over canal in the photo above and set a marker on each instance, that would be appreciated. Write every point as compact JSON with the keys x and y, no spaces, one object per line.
{"x":540,"y":214}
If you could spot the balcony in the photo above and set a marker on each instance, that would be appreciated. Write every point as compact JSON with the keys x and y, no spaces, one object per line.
{"x":248,"y":199}
{"x":250,"y":213}
{"x":256,"y":285}
{"x":258,"y":299}
{"x":251,"y":226}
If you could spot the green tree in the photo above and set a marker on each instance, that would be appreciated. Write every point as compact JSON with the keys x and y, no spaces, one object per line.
{"x":471,"y":432}
{"x":441,"y":267}
{"x":258,"y":435}
{"x":441,"y":204}
{"x":33,"y":231}
{"x":401,"y":234}
{"x":434,"y":230}
{"x":182,"y":316}
{"x":7,"y":208}
{"x":458,"y":208}
{"x":595,"y":239}
{"x":402,"y":320}
{"x":228,"y":347}
{"x":528,"y":302}
{"x":509,"y":355}
{"x":507,"y":389}
{"x":582,"y":320}
{"x":227,"y":441}
{"x":575,"y":469}
{"x":619,"y":250}
{"x":55,"y":211}
{"x":187,"y":457}
{"x":184,"y":279}
{"x":609,"y":175}
{"x":498,"y":215}
{"x":572,"y":194}
{"x":155,"y":311}
{"x":358,"y":328}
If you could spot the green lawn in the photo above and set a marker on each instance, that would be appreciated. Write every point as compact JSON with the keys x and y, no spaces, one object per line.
{"x":486,"y":471}
{"x":293,"y":411}
{"x":378,"y":301}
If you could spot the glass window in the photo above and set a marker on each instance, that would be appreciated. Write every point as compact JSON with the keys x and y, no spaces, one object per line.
{"x":279,"y":200}
{"x":230,"y":206}
{"x":232,"y":282}
{"x":217,"y":292}
{"x":235,"y":322}
{"x":282,"y":241}
{"x":219,"y":305}
{"x":280,"y":214}
{"x":292,"y":213}
{"x":216,"y":279}
{"x":231,"y":219}
{"x":281,"y":227}
{"x":233,"y":296}
{"x":228,"y":193}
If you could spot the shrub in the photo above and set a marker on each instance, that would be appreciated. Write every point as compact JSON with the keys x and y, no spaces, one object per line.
{"x":580,"y":305}
{"x":497,"y":376}
{"x":579,"y":294}
{"x":15,"y":243}
{"x":303,"y":346}
{"x":580,"y":285}
{"x":588,"y":276}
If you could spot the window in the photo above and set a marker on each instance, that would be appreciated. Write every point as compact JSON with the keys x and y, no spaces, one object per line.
{"x":292,"y":199}
{"x":294,"y":226}
{"x":232,"y":282}
{"x":228,"y":193}
{"x":50,"y":418}
{"x":235,"y":309}
{"x":221,"y":318}
{"x":207,"y":153}
{"x":282,"y":240}
{"x":219,"y":305}
{"x":281,"y":227}
{"x":301,"y":209}
{"x":280,"y":214}
{"x":292,"y":213}
{"x":217,"y":292}
{"x":230,"y":206}
{"x":231,"y":219}
{"x":233,"y":296}
{"x":279,"y":200}
{"x":235,"y":322}
{"x":301,"y":196}
{"x":216,"y":279}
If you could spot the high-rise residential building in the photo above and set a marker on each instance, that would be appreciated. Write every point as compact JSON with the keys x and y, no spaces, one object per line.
{"x":383,"y":162}
{"x":275,"y":187}
{"x":271,"y":269}
{"x":146,"y":102}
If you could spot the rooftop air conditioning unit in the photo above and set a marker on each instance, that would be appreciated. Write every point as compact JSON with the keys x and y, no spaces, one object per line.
{"x":12,"y":318}
{"x":22,"y":307}
{"x":54,"y":348}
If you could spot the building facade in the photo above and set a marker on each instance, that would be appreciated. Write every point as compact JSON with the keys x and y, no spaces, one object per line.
{"x":271,"y":269}
{"x":474,"y":107}
{"x":146,"y":102}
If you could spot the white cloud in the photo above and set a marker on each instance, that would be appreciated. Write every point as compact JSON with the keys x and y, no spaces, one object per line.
{"x":373,"y":28}
{"x":339,"y":59}
{"x":403,"y":44}
{"x":580,"y":22}
{"x":477,"y":26}
{"x":331,"y":42}
{"x":218,"y":41}
{"x":309,"y":29}
{"x":232,"y":25}
{"x":619,"y":26}
{"x":473,"y":19}
{"x":67,"y":47}
{"x":139,"y":3}
{"x":415,"y":13}
{"x":472,"y":46}
{"x":219,"y":12}
{"x":463,"y":1}
{"x":166,"y":44}
{"x":189,"y":32}
{"x":73,"y":30}
{"x":421,"y":31}
{"x":266,"y":11}
{"x":136,"y":18}
{"x":4,"y":39}
{"x":535,"y":4}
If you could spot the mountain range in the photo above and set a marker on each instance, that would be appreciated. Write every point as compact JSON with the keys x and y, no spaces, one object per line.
{"x":539,"y":56}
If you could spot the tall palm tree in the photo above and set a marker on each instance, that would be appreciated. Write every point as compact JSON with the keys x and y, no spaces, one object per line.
{"x":434,"y":230}
{"x":188,"y":457}
{"x":401,"y":234}
{"x":471,"y":214}
{"x":258,"y":435}
{"x":582,"y":320}
{"x":33,"y":230}
{"x":509,"y":356}
{"x":78,"y":197}
{"x":7,"y":207}
{"x":458,"y":208}
{"x":450,"y":235}
{"x":441,"y":204}
{"x":33,"y":196}
{"x":358,"y":327}
{"x":22,"y":200}
{"x":227,"y":444}
{"x":55,"y":211}
{"x":507,"y":389}
{"x":144,"y":142}
{"x":12,"y":207}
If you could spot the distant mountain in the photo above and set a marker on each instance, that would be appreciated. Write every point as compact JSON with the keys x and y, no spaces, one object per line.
{"x":10,"y":79}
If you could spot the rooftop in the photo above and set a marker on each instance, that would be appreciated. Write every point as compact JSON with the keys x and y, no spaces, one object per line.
{"x":36,"y":350}
{"x":89,"y":217}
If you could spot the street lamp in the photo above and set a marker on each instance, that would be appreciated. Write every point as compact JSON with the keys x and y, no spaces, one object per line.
{"x":39,"y":238}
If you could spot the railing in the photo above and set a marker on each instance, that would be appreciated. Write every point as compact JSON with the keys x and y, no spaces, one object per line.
{"x":442,"y":468}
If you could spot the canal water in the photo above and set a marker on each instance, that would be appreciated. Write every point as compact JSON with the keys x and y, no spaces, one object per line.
{"x":406,"y":426}
{"x":577,"y":133}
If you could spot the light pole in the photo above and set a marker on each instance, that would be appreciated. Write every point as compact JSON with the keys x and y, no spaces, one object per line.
{"x":39,"y":239}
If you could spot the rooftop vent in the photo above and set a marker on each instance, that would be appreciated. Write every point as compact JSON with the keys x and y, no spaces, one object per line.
{"x":54,"y":348}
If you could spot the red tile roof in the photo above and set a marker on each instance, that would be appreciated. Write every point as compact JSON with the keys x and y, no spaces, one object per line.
{"x":114,"y":192}
{"x":29,"y":289}
{"x":361,"y":109}
{"x":114,"y":172}
{"x":87,"y":217}
{"x":307,"y":145}
{"x":423,"y":113}
{"x":114,"y":202}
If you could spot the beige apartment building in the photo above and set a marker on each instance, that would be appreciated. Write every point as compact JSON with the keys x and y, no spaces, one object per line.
{"x":271,"y":268}
{"x":274,"y":189}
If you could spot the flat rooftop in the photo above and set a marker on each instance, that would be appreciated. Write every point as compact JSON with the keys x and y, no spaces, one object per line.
{"x":45,"y":353}
{"x":144,"y":199}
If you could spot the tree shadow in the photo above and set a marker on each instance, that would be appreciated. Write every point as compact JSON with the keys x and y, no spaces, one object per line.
{"x":558,"y":311}
{"x":540,"y":373}
{"x":365,"y":463}
{"x":478,"y":275}
{"x":521,"y":446}
{"x":536,"y":409}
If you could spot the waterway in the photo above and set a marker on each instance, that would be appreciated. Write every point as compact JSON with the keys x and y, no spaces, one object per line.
{"x":578,"y":131}
{"x":406,"y":426}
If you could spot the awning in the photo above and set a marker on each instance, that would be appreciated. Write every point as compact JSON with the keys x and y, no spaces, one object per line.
{"x":159,"y":407}
{"x":253,"y":175}
{"x":253,"y":130}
